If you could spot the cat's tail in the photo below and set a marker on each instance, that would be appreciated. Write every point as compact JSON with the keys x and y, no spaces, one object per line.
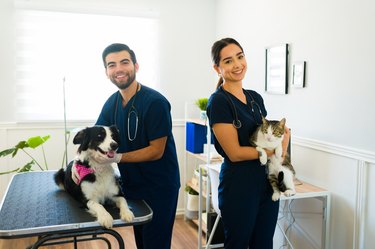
{"x":280,"y":182}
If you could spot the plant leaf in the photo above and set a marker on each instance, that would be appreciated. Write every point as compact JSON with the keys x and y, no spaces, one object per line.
{"x":202,"y":103}
{"x":21,"y":145}
{"x":7,"y":152}
{"x":27,"y":167}
{"x":34,"y":142}
{"x":45,"y":138}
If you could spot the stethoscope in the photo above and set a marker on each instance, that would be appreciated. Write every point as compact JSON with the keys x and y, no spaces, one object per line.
{"x":132,"y":111}
{"x":236,"y":122}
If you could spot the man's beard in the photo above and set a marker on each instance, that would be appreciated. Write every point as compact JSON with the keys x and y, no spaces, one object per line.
{"x":122,"y":85}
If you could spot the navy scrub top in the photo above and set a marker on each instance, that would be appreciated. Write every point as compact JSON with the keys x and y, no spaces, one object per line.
{"x":152,"y":179}
{"x":220,"y":110}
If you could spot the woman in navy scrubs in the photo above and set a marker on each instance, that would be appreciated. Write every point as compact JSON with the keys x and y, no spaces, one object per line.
{"x":147,"y":158}
{"x":248,"y":213}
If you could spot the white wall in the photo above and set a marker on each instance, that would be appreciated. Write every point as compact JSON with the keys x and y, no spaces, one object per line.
{"x":331,"y":119}
{"x":337,"y":39}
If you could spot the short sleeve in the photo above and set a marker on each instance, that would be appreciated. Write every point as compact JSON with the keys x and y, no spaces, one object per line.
{"x":219,"y":110}
{"x":158,"y":119}
{"x":107,"y":114}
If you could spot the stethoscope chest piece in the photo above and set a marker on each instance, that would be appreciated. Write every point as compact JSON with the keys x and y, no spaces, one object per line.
{"x":237,"y":123}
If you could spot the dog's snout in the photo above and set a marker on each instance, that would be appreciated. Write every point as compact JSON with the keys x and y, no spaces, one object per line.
{"x":114,"y":146}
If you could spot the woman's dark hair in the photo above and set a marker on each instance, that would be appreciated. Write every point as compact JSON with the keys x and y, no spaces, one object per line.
{"x":118,"y":47}
{"x":216,"y":49}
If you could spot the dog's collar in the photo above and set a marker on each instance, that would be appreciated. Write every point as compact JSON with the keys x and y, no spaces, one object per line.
{"x":83,"y":171}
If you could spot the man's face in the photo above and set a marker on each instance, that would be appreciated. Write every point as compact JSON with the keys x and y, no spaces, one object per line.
{"x":120,"y":69}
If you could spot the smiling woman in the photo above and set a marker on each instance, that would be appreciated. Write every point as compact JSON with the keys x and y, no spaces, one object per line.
{"x":51,"y":46}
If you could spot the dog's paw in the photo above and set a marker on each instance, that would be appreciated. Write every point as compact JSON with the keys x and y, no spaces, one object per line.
{"x":275,"y":196}
{"x":105,"y":220}
{"x":126,"y":215}
{"x":289,"y":192}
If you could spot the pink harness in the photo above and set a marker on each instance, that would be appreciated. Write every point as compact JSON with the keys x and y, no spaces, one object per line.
{"x":83,"y":171}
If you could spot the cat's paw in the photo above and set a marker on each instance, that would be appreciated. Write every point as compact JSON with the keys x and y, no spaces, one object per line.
{"x":289,"y":192}
{"x":126,"y":215}
{"x":262,"y":155}
{"x":275,"y":196}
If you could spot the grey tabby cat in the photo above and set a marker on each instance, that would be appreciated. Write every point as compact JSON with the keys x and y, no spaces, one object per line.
{"x":269,"y":135}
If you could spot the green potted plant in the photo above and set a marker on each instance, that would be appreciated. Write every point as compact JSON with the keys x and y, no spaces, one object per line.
{"x":202,"y":105}
{"x":26,"y":146}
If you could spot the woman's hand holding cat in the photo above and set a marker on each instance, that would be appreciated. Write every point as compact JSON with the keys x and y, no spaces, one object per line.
{"x":270,"y":152}
{"x":285,"y":141}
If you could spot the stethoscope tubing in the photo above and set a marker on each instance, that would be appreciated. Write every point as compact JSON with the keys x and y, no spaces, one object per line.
{"x":236,"y":122}
{"x":132,"y":110}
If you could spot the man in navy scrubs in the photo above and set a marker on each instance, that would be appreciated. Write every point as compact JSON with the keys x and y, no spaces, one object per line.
{"x":147,"y":158}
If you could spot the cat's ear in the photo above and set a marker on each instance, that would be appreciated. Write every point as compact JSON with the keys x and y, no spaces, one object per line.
{"x":282,"y":122}
{"x":264,"y":120}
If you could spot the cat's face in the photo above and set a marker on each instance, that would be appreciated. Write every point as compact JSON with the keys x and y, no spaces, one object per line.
{"x":272,"y":130}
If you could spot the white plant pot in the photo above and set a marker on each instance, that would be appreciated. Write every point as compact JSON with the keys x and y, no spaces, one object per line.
{"x":193,"y":202}
{"x":203,"y":115}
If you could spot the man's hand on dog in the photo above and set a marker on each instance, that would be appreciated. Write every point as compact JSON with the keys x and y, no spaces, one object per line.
{"x":75,"y":175}
{"x":100,"y":158}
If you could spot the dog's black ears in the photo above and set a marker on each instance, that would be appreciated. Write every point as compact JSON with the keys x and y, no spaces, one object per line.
{"x":78,"y":138}
{"x":114,"y":128}
{"x":81,"y":138}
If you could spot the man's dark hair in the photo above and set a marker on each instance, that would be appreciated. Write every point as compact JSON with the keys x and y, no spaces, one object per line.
{"x":118,"y":47}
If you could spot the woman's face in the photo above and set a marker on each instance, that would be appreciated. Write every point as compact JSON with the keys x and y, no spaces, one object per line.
{"x":232,"y":66}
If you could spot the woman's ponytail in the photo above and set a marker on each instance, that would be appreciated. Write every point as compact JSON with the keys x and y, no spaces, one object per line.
{"x":220,"y":82}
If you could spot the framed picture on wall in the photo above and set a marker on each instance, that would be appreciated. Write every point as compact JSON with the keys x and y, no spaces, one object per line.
{"x":277,"y":69}
{"x":299,"y":74}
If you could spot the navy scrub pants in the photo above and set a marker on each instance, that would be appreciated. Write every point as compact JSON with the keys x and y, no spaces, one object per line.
{"x":157,"y":234}
{"x":248,"y":213}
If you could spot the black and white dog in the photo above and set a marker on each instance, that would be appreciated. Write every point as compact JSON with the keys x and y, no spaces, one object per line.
{"x":97,"y":182}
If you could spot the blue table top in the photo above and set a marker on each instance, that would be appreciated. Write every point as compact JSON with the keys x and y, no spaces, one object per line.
{"x":34,"y":205}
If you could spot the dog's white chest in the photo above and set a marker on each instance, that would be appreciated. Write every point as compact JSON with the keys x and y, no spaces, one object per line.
{"x":102,"y":188}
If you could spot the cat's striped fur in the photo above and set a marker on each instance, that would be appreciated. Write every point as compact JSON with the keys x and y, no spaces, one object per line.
{"x":269,"y":135}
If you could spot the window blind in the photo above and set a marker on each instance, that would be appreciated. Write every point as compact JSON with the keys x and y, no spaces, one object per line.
{"x":52,"y":46}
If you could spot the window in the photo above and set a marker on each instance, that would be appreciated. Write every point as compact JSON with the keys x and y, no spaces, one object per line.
{"x":51,"y":46}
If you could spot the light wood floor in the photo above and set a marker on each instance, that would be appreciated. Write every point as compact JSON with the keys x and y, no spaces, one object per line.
{"x":184,"y":237}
